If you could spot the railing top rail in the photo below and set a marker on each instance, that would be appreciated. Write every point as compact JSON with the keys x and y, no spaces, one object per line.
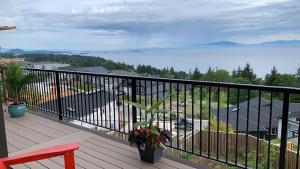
{"x":290,"y":90}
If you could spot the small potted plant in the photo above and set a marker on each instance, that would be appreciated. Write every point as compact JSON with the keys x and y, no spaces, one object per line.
{"x":149,"y":138}
{"x":15,"y":82}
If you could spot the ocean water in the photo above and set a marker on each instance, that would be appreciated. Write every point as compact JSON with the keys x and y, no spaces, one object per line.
{"x":262,"y":59}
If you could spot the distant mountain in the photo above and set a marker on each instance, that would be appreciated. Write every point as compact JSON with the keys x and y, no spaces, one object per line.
{"x":234,"y":44}
{"x":223,"y":43}
{"x":136,"y":51}
{"x":282,"y":43}
{"x":217,"y":44}
{"x":16,"y":51}
{"x":21,"y":51}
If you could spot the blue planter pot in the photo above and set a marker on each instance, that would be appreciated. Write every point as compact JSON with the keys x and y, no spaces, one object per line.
{"x":17,"y":110}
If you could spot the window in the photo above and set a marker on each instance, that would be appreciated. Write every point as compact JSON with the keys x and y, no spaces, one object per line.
{"x":292,"y":127}
{"x":274,"y":131}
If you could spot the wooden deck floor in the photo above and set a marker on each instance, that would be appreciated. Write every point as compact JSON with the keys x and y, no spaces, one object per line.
{"x":32,"y":132}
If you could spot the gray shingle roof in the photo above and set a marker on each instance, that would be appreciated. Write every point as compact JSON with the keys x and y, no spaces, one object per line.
{"x":123,"y":73}
{"x":97,"y":69}
{"x":253,"y":114}
{"x":68,"y":68}
{"x":83,"y":104}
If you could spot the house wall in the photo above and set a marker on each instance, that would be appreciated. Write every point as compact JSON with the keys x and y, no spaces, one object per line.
{"x":292,"y":126}
{"x":50,"y":66}
{"x":279,"y":128}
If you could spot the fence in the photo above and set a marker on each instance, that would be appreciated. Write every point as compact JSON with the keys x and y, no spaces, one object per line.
{"x":219,"y":112}
{"x":291,"y":156}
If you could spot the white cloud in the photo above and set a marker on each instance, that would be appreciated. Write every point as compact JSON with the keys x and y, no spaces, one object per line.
{"x":257,"y":3}
{"x":146,"y":23}
{"x":265,"y":38}
{"x":8,"y":20}
{"x":74,"y":11}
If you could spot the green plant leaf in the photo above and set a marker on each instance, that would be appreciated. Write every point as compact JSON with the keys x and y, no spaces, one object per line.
{"x":162,"y":146}
{"x":154,"y":131}
{"x":16,"y":80}
{"x":137,"y":105}
{"x":157,"y":104}
{"x":141,"y":123}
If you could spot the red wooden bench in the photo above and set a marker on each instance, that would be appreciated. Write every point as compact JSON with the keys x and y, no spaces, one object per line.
{"x":67,"y":150}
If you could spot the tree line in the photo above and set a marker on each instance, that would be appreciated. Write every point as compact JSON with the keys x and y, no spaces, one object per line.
{"x":244,"y":75}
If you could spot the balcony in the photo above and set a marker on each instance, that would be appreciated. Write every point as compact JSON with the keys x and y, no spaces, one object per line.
{"x":33,"y":132}
{"x":234,"y":125}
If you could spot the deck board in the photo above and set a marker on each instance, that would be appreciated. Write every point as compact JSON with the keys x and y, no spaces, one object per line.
{"x":33,"y":132}
{"x":27,"y":133}
{"x":42,"y":129}
{"x":49,"y":123}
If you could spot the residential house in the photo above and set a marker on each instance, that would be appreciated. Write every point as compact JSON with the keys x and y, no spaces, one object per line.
{"x":122,"y":85}
{"x":153,"y":89}
{"x":96,"y":70}
{"x":43,"y":65}
{"x":123,"y":73}
{"x":293,"y":121}
{"x":68,"y":68}
{"x":85,"y":78}
{"x":91,"y":106}
{"x":145,"y":88}
{"x":253,"y":116}
{"x":10,"y":60}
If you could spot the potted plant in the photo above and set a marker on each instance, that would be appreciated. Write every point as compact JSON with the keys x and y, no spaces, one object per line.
{"x":149,"y":138}
{"x":15,"y":82}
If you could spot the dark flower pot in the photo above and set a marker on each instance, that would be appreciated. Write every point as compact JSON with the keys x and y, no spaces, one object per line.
{"x":150,"y":155}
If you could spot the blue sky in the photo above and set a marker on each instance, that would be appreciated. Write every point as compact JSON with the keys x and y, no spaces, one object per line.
{"x":128,"y":24}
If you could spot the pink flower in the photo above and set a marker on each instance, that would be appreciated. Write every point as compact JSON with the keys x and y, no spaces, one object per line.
{"x":136,"y":133}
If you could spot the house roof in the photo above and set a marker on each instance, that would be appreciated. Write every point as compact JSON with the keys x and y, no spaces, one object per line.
{"x":97,"y":69}
{"x":68,"y":68}
{"x":32,"y":64}
{"x":88,"y":102}
{"x":294,"y":110}
{"x":253,"y":114}
{"x":294,"y":114}
{"x":124,"y":73}
{"x":44,"y":63}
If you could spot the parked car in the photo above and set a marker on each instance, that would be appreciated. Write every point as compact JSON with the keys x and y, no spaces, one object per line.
{"x":184,"y":124}
{"x":71,"y":109}
{"x":183,"y":103}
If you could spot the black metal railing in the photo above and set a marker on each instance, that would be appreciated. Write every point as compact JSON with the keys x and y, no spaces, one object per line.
{"x":229,"y":123}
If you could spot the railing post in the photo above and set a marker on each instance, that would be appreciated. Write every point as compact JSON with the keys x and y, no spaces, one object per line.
{"x":284,"y":127}
{"x":133,"y":94}
{"x":58,"y":95}
{"x":3,"y":142}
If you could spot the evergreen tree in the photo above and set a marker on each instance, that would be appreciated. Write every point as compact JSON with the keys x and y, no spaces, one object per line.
{"x":297,"y":75}
{"x":237,"y":73}
{"x":196,"y":75}
{"x":218,"y":75}
{"x":272,"y":78}
{"x":248,"y":73}
{"x":234,"y":73}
